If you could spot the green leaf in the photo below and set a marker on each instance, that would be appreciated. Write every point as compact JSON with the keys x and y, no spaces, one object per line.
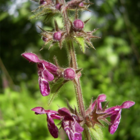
{"x":81,"y":42}
{"x":96,"y":133}
{"x":44,"y":12}
{"x":55,"y":88}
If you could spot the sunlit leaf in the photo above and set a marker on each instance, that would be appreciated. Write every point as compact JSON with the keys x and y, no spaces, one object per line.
{"x":81,"y":42}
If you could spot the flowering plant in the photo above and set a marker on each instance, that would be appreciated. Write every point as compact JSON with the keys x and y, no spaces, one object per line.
{"x":78,"y":120}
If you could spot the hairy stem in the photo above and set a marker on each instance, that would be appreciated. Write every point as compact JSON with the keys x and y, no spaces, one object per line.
{"x":77,"y":85}
{"x":78,"y":91}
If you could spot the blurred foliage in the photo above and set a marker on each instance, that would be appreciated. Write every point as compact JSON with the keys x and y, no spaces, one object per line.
{"x":113,"y":68}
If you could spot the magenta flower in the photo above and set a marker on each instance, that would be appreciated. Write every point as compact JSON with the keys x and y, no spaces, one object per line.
{"x":69,"y":122}
{"x":115,"y":115}
{"x":95,"y":113}
{"x":97,"y":104}
{"x":101,"y":98}
{"x":46,"y":72}
{"x":50,"y":116}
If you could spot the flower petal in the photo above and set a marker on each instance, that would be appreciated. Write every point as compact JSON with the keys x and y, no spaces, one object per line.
{"x":72,"y":129}
{"x":77,"y":136}
{"x":39,"y":110}
{"x":51,"y":126}
{"x":101,"y":98}
{"x":115,"y":120}
{"x":66,"y":127}
{"x":31,"y":57}
{"x":77,"y":127}
{"x":64,"y":112}
{"x":47,"y":75}
{"x":50,"y":67}
{"x":44,"y":87}
{"x":127,"y":104}
{"x":113,"y":110}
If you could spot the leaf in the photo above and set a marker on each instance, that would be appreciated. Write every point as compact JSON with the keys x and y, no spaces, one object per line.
{"x":96,"y":133}
{"x":81,"y":42}
{"x":55,"y":88}
{"x":42,"y":12}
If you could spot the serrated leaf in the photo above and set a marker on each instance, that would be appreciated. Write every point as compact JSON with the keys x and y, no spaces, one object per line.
{"x":96,"y":133}
{"x":81,"y":42}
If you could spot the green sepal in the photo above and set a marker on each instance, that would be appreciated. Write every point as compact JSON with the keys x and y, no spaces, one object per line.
{"x":81,"y":42}
{"x":90,"y":44}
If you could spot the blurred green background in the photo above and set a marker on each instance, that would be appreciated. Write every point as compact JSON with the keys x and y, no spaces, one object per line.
{"x":113,"y":68}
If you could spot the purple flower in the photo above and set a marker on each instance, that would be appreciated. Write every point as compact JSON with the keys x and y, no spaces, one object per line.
{"x":69,"y":122}
{"x":115,"y":115}
{"x":101,"y":98}
{"x":50,"y":116}
{"x":95,"y":113}
{"x":96,"y":104}
{"x":46,"y":72}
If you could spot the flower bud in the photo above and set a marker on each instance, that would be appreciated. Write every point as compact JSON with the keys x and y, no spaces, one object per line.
{"x":45,"y":39}
{"x":42,"y":2}
{"x":57,"y":36}
{"x":58,"y":6}
{"x":81,"y":4}
{"x":69,"y":74}
{"x":78,"y":24}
